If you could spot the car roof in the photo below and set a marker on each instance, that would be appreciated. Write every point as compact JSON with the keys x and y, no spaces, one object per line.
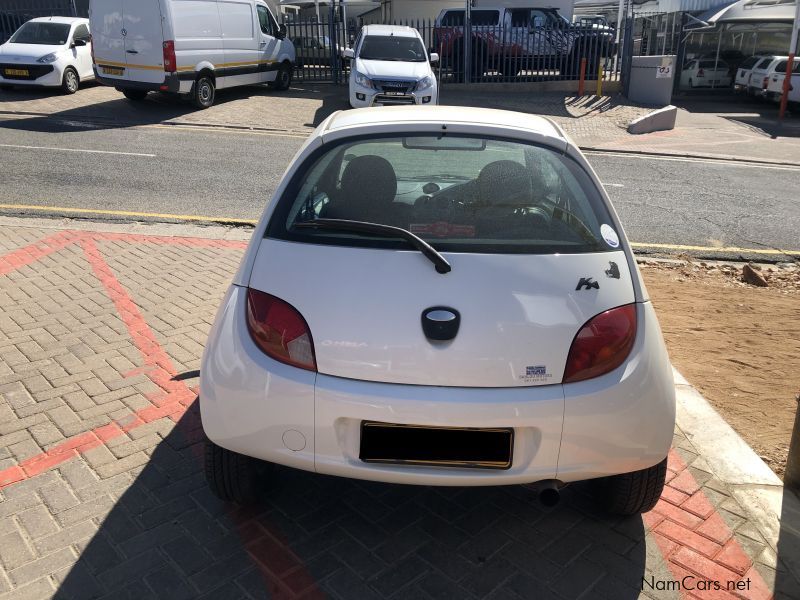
{"x":64,"y":20}
{"x":398,"y":30}
{"x":463,"y":115}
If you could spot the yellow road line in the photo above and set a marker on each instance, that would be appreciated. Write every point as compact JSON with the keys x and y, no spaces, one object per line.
{"x":128,"y":213}
{"x":233,"y":220}
{"x":728,"y":249}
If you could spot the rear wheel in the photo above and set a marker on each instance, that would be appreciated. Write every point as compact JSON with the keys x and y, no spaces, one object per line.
{"x":135,"y":95}
{"x":231,"y":476}
{"x":70,"y":82}
{"x":283,"y":78}
{"x":204,"y":92}
{"x":633,"y":493}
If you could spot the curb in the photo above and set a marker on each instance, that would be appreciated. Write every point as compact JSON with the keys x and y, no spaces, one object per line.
{"x":760,"y":492}
{"x":710,"y":157}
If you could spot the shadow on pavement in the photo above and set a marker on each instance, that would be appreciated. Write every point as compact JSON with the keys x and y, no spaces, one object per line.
{"x":156,"y":108}
{"x":786,"y":581}
{"x":318,"y":536}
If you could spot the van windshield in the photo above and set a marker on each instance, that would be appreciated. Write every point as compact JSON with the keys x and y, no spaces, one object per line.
{"x":390,"y":47}
{"x":458,"y":193}
{"x":37,"y":32}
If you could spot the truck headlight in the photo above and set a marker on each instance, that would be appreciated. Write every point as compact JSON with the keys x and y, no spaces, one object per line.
{"x":364,"y":81}
{"x":424,"y":83}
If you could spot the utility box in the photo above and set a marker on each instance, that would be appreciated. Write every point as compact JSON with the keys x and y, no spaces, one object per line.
{"x":651,"y":79}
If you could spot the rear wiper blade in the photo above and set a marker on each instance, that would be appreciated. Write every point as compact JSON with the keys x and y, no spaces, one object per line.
{"x":442,"y":266}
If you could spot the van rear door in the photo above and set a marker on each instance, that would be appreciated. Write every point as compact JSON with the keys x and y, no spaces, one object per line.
{"x":144,"y":40}
{"x":107,"y":39}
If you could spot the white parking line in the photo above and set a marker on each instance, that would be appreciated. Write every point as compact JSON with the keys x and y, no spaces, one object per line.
{"x":83,"y":150}
{"x":612,"y":184}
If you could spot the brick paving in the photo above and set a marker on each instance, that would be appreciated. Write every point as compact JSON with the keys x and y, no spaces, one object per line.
{"x":102,"y":492}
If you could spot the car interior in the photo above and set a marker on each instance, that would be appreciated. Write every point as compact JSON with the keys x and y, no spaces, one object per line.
{"x":507,"y":200}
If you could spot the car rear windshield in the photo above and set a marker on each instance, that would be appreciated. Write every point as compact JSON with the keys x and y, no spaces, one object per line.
{"x":460,"y":194}
{"x":709,"y":64}
{"x":37,"y":32}
{"x":453,"y":18}
{"x":749,"y":62}
{"x":763,"y":63}
{"x":390,"y":47}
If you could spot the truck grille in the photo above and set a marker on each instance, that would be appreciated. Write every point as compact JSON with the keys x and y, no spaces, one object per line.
{"x":403,"y":87}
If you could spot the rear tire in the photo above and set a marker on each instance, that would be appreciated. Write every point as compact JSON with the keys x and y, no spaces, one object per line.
{"x":283,"y":78}
{"x":204,"y":92}
{"x":232,"y":477}
{"x":633,"y":493}
{"x":135,"y":95}
{"x":70,"y":82}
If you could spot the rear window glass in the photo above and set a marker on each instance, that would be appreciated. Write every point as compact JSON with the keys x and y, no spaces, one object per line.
{"x":709,"y":64}
{"x":763,"y":63}
{"x":454,"y":18}
{"x":460,"y":194}
{"x":748,"y":62}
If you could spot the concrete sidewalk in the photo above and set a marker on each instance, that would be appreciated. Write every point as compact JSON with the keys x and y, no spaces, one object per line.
{"x":101,"y":331}
{"x":593,"y":122}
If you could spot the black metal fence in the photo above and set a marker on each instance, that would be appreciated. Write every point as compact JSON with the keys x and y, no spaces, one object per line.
{"x":13,"y":13}
{"x":474,"y":53}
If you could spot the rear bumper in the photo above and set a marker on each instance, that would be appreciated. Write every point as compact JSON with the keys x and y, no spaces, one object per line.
{"x":617,"y":423}
{"x":171,"y":83}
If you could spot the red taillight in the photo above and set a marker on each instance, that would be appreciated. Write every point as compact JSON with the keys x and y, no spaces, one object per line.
{"x":279,"y":330}
{"x":701,"y":73}
{"x":170,"y":63}
{"x":602,"y":344}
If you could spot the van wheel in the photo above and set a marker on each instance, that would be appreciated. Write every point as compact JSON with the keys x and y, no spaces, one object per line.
{"x":283,"y":79}
{"x":70,"y":83}
{"x":204,"y":92}
{"x":135,"y":95}
{"x":633,"y":493}
{"x":231,"y":476}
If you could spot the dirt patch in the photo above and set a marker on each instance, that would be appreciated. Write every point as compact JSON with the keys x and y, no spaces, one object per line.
{"x":736,"y":343}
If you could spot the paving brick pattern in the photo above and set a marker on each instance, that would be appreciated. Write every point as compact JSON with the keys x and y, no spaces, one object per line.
{"x":102,"y":492}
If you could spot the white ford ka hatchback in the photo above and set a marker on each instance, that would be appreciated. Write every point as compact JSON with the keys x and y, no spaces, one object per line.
{"x":440,"y":296}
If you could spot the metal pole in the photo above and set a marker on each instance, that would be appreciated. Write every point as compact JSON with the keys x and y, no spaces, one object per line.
{"x":716,"y":58}
{"x":789,"y":68}
{"x":344,"y":20}
{"x":620,"y":11}
{"x":467,"y":39}
{"x":791,"y":477}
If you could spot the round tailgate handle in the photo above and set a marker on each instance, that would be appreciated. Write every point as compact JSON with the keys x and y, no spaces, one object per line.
{"x":440,"y":323}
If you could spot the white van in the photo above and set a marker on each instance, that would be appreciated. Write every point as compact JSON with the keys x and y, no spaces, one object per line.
{"x":190,"y":47}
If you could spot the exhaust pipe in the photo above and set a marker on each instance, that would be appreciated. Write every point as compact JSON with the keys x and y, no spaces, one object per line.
{"x":549,"y":495}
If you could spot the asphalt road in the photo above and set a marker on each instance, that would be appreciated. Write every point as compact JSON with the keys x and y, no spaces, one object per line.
{"x":230,"y":174}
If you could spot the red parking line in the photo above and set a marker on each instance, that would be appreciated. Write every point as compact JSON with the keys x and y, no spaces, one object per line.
{"x":697,"y":544}
{"x":693,"y":538}
{"x":36,"y":251}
